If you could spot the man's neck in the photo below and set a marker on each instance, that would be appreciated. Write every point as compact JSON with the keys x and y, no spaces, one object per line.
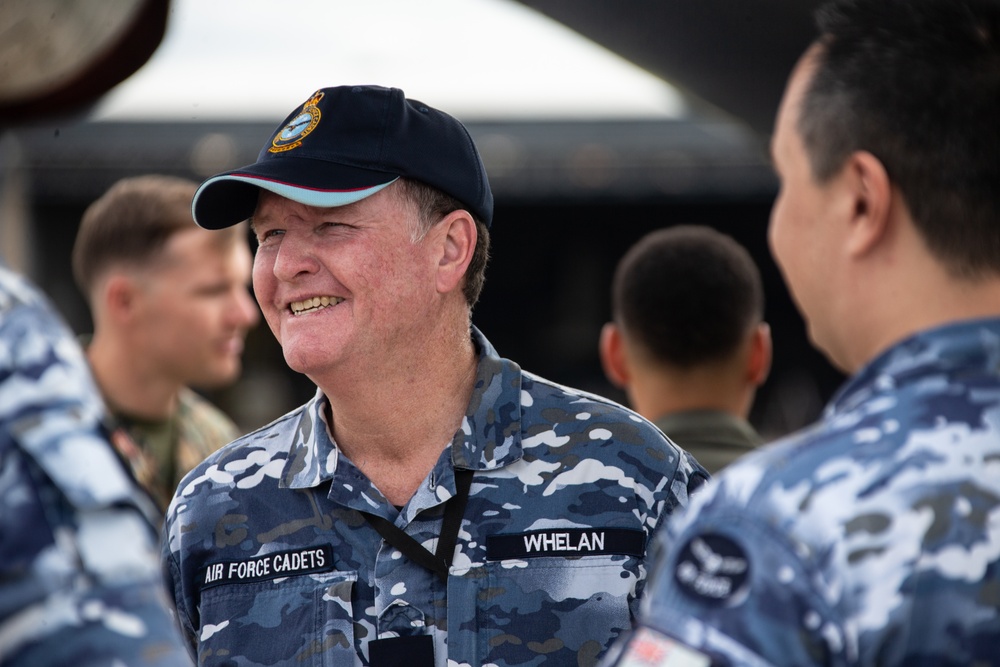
{"x":656,"y":394}
{"x":920,"y":299}
{"x":977,"y":308}
{"x":394,"y":426}
{"x":127,"y":385}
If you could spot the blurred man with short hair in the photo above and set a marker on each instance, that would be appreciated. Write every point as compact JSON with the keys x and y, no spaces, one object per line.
{"x":687,"y":342}
{"x":872,"y":537}
{"x":171,"y":311}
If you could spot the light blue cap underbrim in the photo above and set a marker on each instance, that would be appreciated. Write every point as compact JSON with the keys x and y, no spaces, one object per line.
{"x":307,"y":196}
{"x":229,"y":198}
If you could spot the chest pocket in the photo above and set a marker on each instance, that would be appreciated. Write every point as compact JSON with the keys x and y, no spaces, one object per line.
{"x":555,"y":610}
{"x":303,"y":620}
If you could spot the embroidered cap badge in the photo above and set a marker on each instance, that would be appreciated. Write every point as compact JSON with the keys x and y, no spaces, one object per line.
{"x":304,"y":122}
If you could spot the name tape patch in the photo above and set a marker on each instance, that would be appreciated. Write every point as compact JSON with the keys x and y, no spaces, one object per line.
{"x":269,"y":566}
{"x":566,"y":542}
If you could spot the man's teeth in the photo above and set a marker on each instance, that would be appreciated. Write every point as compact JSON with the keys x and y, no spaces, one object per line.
{"x":313,"y":304}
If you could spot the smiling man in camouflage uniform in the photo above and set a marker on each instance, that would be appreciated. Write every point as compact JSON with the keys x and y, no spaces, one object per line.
{"x":872,"y":538}
{"x":433,"y":504}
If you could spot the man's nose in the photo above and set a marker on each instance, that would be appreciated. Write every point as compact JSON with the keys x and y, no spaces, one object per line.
{"x":293,"y":257}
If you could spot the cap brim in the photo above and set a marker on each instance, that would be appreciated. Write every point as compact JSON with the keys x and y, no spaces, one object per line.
{"x":231,"y":198}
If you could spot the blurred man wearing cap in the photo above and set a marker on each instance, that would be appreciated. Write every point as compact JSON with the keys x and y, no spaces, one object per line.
{"x":873,"y":537}
{"x":433,"y":503}
{"x":171,"y":310}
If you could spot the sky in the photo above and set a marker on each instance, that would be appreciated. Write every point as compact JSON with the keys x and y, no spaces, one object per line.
{"x":476,"y":59}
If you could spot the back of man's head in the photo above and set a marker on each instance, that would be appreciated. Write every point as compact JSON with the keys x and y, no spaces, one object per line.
{"x":688,"y":296}
{"x":130,"y":224}
{"x":916,"y":83}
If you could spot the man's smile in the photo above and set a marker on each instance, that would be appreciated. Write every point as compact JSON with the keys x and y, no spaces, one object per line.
{"x":313,"y":304}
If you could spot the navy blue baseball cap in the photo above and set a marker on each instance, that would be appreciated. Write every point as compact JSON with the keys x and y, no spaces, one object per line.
{"x":347,"y":143}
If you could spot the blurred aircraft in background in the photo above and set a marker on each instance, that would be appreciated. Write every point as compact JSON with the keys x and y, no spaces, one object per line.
{"x":735,"y":56}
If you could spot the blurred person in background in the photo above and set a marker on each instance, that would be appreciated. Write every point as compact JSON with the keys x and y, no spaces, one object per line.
{"x":687,"y":342}
{"x":80,"y":581}
{"x":171,"y":310}
{"x":872,"y":537}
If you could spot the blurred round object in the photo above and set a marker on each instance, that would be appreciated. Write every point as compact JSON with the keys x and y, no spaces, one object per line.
{"x":57,"y":56}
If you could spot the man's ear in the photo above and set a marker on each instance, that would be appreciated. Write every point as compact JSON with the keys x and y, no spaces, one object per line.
{"x":119,"y":296}
{"x":872,"y":193}
{"x":459,"y":237}
{"x":612,"y":352}
{"x":761,"y":349}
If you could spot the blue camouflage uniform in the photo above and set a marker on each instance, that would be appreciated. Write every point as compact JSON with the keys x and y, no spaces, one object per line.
{"x":272,"y":563}
{"x":79,"y":574}
{"x":871,"y":538}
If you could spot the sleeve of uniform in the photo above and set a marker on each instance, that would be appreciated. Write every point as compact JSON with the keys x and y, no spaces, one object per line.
{"x":730,"y":587}
{"x":175,"y":586}
{"x":688,"y":476}
{"x":78,"y":567}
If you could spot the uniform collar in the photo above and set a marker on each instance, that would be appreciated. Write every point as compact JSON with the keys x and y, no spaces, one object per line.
{"x":942,"y":351}
{"x":701,"y":425}
{"x":489,"y":437}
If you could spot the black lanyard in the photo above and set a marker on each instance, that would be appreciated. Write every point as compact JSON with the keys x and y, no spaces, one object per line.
{"x":440,"y":561}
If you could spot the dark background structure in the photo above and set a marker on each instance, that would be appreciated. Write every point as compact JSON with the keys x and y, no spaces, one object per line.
{"x":571,"y":196}
{"x":732,"y":56}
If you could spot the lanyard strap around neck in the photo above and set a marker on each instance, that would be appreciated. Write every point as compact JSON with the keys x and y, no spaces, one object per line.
{"x":440,"y":561}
